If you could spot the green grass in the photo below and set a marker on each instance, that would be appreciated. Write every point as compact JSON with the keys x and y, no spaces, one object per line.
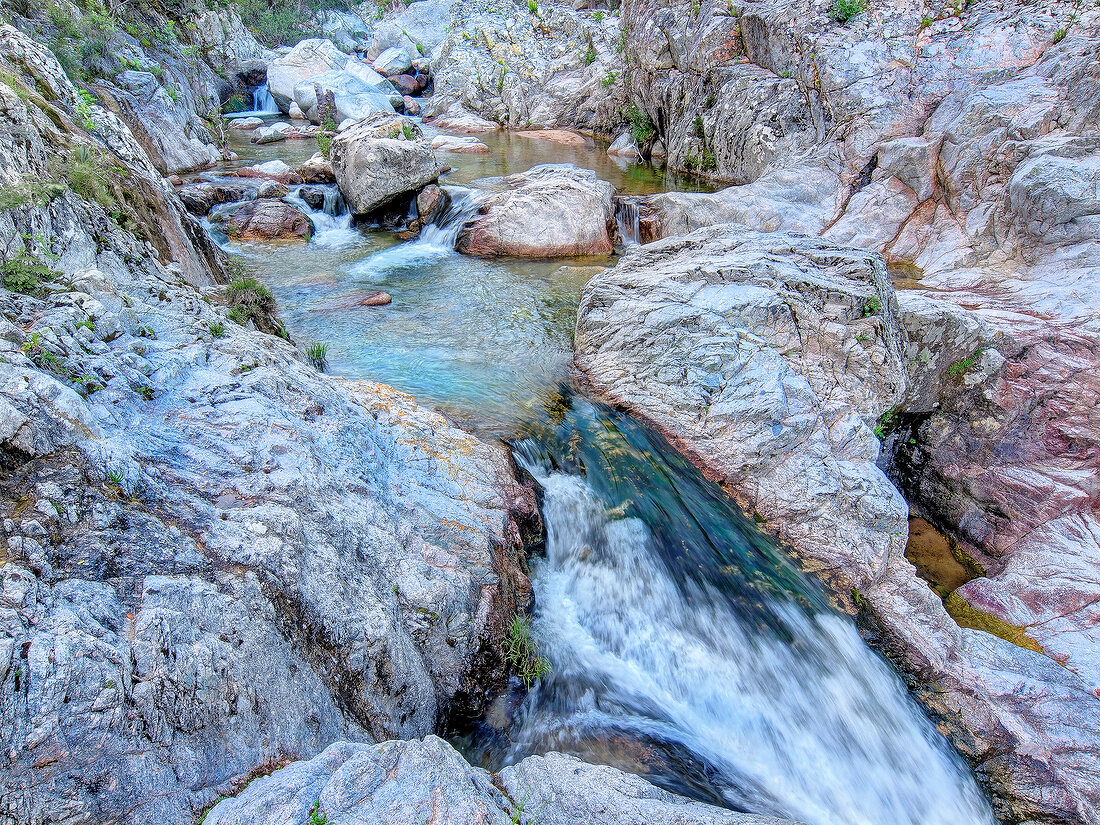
{"x":871,"y":306}
{"x":521,"y":653}
{"x":886,"y":422}
{"x":217,"y":330}
{"x":608,"y":80}
{"x":317,"y":355}
{"x":963,"y":365}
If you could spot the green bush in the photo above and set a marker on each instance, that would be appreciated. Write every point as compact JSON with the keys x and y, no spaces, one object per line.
{"x":608,"y":80}
{"x":844,"y":10}
{"x":641,"y":127}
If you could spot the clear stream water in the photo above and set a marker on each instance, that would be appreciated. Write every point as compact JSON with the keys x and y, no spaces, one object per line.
{"x":686,"y":646}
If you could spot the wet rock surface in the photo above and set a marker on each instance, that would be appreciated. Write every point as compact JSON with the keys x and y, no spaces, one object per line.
{"x":268,"y":219}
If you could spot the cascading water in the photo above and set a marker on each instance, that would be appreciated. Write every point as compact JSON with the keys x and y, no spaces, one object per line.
{"x":628,"y":218}
{"x":332,"y":221}
{"x":685,"y":645}
{"x":263,"y":104}
{"x":436,"y":239}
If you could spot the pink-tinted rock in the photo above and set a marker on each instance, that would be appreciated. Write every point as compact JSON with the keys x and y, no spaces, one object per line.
{"x":268,"y":220}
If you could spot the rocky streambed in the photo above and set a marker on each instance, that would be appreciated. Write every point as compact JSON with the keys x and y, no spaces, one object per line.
{"x":237,"y":566}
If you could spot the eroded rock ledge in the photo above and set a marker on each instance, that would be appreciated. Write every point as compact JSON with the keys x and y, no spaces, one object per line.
{"x":771,"y":357}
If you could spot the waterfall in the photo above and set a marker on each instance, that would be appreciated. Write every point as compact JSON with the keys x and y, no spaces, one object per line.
{"x":442,"y":232}
{"x":672,"y":622}
{"x":263,"y":105}
{"x":263,"y":102}
{"x":628,"y":217}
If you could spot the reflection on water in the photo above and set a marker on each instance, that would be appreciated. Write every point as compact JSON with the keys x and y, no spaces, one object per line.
{"x":687,"y":647}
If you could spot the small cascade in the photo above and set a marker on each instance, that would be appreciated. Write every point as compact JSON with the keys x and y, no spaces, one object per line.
{"x":462,"y":207}
{"x":332,"y":221}
{"x":263,"y":102}
{"x":629,"y":219}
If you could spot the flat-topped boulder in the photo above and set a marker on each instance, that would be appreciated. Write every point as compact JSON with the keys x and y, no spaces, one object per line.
{"x":553,"y":210}
{"x":381,"y":160}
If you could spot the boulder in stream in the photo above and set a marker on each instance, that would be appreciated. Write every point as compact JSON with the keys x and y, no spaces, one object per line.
{"x":267,"y":219}
{"x":307,"y":59}
{"x":380,"y":160}
{"x":353,"y":97}
{"x":553,"y":210}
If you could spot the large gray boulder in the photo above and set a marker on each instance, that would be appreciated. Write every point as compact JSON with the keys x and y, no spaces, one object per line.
{"x":551,"y":210}
{"x":418,"y":28}
{"x":555,"y":68}
{"x":353,"y":97}
{"x":308,"y":59}
{"x":427,"y":781}
{"x":380,"y":160}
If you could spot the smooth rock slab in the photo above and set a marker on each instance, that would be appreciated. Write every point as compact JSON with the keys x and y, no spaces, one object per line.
{"x":426,"y":780}
{"x":459,"y":144}
{"x":553,"y":210}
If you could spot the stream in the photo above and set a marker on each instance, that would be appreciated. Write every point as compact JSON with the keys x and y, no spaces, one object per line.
{"x":686,"y":645}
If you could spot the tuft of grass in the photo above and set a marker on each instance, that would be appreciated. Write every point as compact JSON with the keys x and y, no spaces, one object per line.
{"x":250,"y":300}
{"x":963,"y":365}
{"x":1059,"y":35}
{"x":598,"y":16}
{"x":324,"y":143}
{"x":532,"y":6}
{"x":217,"y":329}
{"x":844,"y":10}
{"x":317,"y":355}
{"x":521,"y":653}
{"x":115,"y":478}
{"x":590,"y":55}
{"x":608,"y":80}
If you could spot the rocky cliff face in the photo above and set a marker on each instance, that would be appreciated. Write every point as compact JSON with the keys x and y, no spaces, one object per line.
{"x":216,"y":559}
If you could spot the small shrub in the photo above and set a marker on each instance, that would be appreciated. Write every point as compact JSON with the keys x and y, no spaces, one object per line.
{"x":608,"y":80}
{"x":521,"y":653}
{"x":217,"y":330}
{"x":407,"y":131}
{"x":173,"y":95}
{"x":844,"y":10}
{"x":590,"y":55}
{"x":871,"y":306}
{"x":886,"y":423}
{"x":115,"y":478}
{"x":1059,"y":35}
{"x":85,"y":101}
{"x":324,"y":143}
{"x":317,"y":355}
{"x":316,"y":815}
{"x":252,"y":301}
{"x":598,"y":16}
{"x":641,"y":127}
{"x":532,"y":6}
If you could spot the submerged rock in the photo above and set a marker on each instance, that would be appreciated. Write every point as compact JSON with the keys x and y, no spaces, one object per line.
{"x":552,"y":210}
{"x":267,"y":219}
{"x":380,"y":160}
{"x":459,"y":144}
{"x":414,"y":781}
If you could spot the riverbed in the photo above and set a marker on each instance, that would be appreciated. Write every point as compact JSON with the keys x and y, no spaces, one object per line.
{"x":685,"y":644}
